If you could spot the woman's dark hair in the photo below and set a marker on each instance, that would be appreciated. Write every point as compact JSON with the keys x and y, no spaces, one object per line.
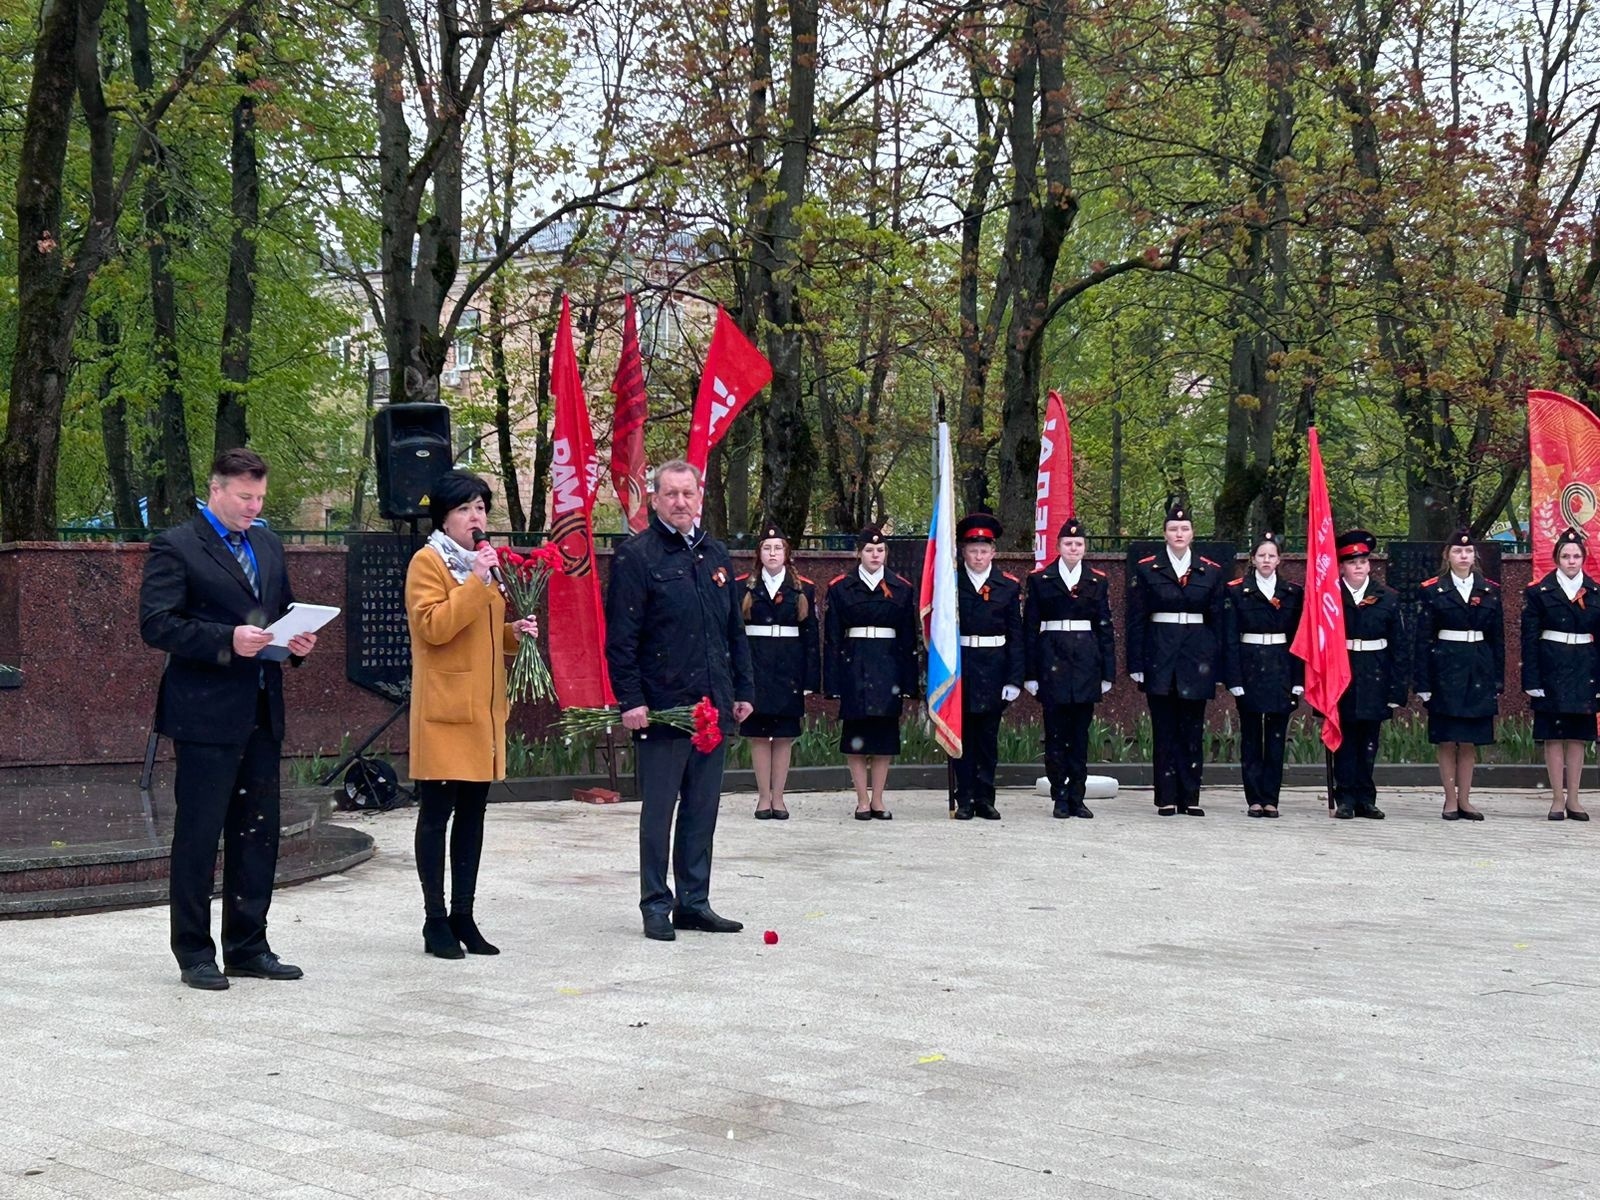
{"x":453,"y":489}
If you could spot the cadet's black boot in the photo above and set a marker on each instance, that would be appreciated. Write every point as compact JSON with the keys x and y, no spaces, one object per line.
{"x":963,"y":810}
{"x":1077,"y":808}
{"x":986,"y":810}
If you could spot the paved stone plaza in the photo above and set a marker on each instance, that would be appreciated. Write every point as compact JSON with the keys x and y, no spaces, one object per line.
{"x":1124,"y":1007}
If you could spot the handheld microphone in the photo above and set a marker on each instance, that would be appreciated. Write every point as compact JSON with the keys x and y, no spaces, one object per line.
{"x":479,"y":540}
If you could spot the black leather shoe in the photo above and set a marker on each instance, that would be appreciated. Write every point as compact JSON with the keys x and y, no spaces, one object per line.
{"x":987,"y":811}
{"x":1577,"y":814}
{"x":205,"y":977}
{"x":264,"y":966}
{"x":963,"y":811}
{"x":1557,"y":814}
{"x":1373,"y":813}
{"x":763,"y":814}
{"x":780,"y":814}
{"x":1061,"y":809}
{"x":439,"y":939}
{"x":658,"y":929}
{"x":863,"y":814}
{"x":703,"y":920}
{"x":1194,"y":810}
{"x":1343,"y":812}
{"x":1450,"y":814}
{"x":1079,"y":809}
{"x":466,"y":931}
{"x":1466,"y":815}
{"x":879,"y":814}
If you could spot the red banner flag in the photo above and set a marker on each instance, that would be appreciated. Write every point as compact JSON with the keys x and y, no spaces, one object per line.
{"x":1563,"y":475}
{"x":576,"y":630}
{"x":627,"y":425}
{"x":1053,"y":500}
{"x":734,"y":372}
{"x":1320,"y":638}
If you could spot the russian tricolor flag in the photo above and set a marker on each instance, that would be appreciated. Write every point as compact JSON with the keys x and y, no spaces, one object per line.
{"x":941,"y":626}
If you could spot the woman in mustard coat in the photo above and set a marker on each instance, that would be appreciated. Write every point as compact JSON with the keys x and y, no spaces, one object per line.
{"x":459,"y":643}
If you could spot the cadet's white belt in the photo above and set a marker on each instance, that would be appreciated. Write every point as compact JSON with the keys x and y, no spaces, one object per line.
{"x":772,"y":630}
{"x":982,"y":640}
{"x":1264,"y":639}
{"x":870,"y":631}
{"x":1171,"y":618}
{"x":1567,"y":639}
{"x":1460,"y":635}
{"x":1366,"y":643}
{"x":1065,"y":626}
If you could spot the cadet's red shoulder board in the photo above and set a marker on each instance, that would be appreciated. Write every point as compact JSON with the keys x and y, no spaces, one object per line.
{"x":1235,"y":583}
{"x":803,"y":579}
{"x":1149,"y":559}
{"x":837,"y":577}
{"x":1429,"y":582}
{"x":1491,"y":583}
{"x":1099,"y":574}
{"x":1010,"y":576}
{"x":1209,"y":563}
{"x":741,"y":578}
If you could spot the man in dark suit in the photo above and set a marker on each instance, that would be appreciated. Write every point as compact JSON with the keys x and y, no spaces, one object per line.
{"x":211,"y":585}
{"x":675,"y":633}
{"x":990,"y":613}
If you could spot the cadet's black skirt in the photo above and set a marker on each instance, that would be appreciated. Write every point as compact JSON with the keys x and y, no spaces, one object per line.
{"x":1563,"y":727}
{"x":1477,"y":730}
{"x":870,"y":735}
{"x":763,"y":725}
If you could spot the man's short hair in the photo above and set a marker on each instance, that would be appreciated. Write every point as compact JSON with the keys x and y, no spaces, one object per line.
{"x":453,"y":489}
{"x":232,"y":464}
{"x":676,"y":466}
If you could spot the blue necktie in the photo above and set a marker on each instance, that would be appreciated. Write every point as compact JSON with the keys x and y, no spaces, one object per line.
{"x":236,"y":544}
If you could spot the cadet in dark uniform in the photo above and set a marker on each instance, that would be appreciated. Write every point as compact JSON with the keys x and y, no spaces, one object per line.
{"x":990,"y":607}
{"x":673,"y":635}
{"x":1259,"y":621}
{"x":1070,"y":659}
{"x":780,"y":621}
{"x":1560,"y":614}
{"x":871,"y":665}
{"x":1460,"y":662}
{"x":1375,"y":640}
{"x":1174,"y":615}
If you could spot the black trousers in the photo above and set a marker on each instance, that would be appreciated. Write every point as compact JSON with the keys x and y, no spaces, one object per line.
{"x":1066,"y":749}
{"x":437,"y":800}
{"x":228,"y":792}
{"x":1353,"y":762}
{"x":1261,"y":739}
{"x":980,"y":752}
{"x":1179,"y":727}
{"x":673,"y":774}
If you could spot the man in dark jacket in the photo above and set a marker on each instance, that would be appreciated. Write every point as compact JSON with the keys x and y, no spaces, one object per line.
{"x":211,"y":586}
{"x":1071,"y":658}
{"x":1375,"y":639}
{"x":674,"y":634}
{"x":990,"y":617}
{"x":1175,"y":601}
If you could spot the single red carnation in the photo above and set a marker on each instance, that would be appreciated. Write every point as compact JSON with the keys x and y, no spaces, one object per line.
{"x":770,"y":937}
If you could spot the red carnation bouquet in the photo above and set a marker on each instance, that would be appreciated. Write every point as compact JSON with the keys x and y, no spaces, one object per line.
{"x":699,"y":721}
{"x":526,"y":578}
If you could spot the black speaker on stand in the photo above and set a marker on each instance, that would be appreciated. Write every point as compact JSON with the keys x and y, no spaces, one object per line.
{"x":412,"y":446}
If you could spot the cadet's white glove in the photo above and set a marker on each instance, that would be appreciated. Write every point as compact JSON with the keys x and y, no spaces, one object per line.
{"x":1032,"y":685}
{"x":1236,"y":692}
{"x":1105,"y":686}
{"x":1136,"y":676}
{"x":1392,"y":704}
{"x":1297,"y":690}
{"x":1424,"y":696}
{"x":1536,"y":693}
{"x":1010,"y":692}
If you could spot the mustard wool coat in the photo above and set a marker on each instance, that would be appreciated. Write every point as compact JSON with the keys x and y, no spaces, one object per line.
{"x":459,"y":644}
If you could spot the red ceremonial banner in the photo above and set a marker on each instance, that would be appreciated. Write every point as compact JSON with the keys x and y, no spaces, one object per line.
{"x":627,"y":425}
{"x":1053,"y":501}
{"x":576,"y":630}
{"x":1563,"y":475}
{"x":1320,"y":638}
{"x":734,"y":372}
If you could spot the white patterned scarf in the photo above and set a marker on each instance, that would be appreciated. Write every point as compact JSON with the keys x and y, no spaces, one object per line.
{"x":457,"y":558}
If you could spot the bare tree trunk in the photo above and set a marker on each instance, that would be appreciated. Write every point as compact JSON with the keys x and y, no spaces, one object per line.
{"x":114,"y":429}
{"x":239,"y":318}
{"x":515,"y":512}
